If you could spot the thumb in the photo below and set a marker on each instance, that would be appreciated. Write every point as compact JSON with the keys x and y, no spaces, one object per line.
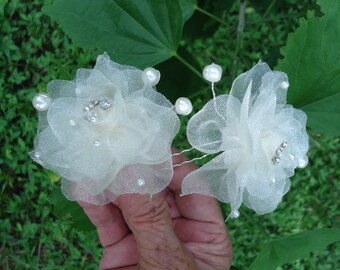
{"x":151,"y":225}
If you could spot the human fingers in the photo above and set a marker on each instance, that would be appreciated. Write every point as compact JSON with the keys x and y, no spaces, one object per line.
{"x":151,"y":225}
{"x":108,"y":221}
{"x":201,"y":226}
{"x":195,"y":206}
{"x":120,"y":255}
{"x":170,"y":198}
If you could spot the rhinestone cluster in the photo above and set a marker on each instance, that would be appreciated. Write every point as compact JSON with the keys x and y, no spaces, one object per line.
{"x":91,"y":115}
{"x":105,"y":104}
{"x":278,"y":153}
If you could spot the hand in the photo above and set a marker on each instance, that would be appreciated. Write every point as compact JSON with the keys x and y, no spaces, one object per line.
{"x":170,"y":232}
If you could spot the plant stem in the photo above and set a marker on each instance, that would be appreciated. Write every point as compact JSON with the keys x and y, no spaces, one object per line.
{"x":211,"y":15}
{"x":266,"y":13}
{"x":240,"y":29}
{"x":269,"y":9}
{"x":188,"y":65}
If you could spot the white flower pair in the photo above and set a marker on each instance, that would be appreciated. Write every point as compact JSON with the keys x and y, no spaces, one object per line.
{"x":109,"y":132}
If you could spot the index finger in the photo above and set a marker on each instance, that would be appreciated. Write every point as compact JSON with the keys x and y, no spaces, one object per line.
{"x":108,"y":221}
{"x":195,"y":206}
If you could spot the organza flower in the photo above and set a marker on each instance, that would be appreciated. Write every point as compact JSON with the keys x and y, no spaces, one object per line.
{"x":262,"y":140}
{"x":108,"y":132}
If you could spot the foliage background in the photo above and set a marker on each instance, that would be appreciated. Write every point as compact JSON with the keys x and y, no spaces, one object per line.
{"x":34,"y":50}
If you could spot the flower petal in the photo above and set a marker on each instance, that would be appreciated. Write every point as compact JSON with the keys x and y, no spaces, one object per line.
{"x":205,"y":128}
{"x":143,"y":178}
{"x":61,"y":88}
{"x":213,"y":179}
{"x":240,"y":84}
{"x":59,"y":115}
{"x":263,"y":205}
{"x":76,"y":192}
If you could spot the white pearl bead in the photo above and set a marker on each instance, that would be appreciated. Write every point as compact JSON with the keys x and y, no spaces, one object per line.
{"x":302,"y":162}
{"x":183,"y":106}
{"x":234,"y":214}
{"x":36,"y":155}
{"x":96,"y":143}
{"x":285,"y":85}
{"x":212,"y":73}
{"x":152,"y":75}
{"x":41,"y":102}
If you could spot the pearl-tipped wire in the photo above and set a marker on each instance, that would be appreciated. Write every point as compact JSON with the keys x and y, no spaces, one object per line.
{"x":227,"y":217}
{"x":192,"y":148}
{"x":215,"y":103}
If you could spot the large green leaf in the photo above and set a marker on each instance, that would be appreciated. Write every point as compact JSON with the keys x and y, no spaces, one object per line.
{"x":188,"y":8}
{"x":280,"y":251}
{"x":135,"y":32}
{"x":312,"y":62}
{"x":324,"y":114}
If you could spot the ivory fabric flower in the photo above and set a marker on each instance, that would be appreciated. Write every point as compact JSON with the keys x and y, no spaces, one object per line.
{"x":262,"y":140}
{"x":108,"y":132}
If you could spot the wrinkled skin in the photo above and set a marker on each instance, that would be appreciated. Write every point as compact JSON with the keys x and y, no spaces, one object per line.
{"x":171,"y":232}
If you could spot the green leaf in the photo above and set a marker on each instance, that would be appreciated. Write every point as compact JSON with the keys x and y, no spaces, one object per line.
{"x":188,"y":8}
{"x":284,"y":250}
{"x":324,"y":115}
{"x":312,"y":62}
{"x":54,"y":178}
{"x":134,"y":32}
{"x":64,"y":207}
